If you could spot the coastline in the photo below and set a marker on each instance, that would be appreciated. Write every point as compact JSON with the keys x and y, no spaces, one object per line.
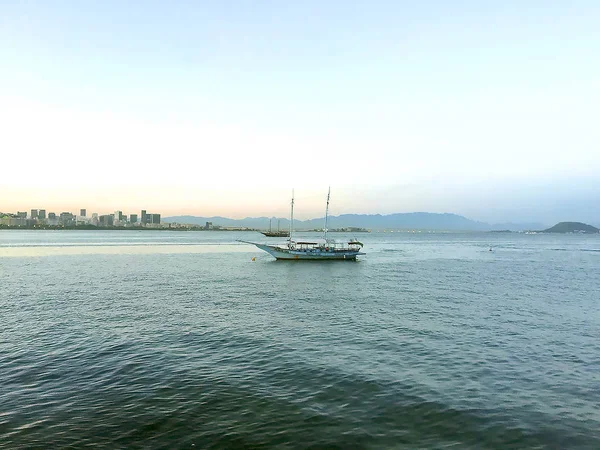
{"x":94,"y":228}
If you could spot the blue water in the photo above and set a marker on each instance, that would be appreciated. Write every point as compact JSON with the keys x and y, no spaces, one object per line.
{"x":180,"y":340}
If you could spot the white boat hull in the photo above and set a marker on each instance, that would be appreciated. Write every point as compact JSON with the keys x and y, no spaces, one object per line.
{"x":315,"y":254}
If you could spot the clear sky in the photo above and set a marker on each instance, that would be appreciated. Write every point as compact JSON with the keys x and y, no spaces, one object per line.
{"x":484,"y":108}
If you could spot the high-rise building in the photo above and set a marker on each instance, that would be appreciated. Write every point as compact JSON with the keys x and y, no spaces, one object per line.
{"x":107,"y":220}
{"x":155,"y":218}
{"x":51,"y":216}
{"x":34,"y":214}
{"x":144,"y":218}
{"x":22,"y":214}
{"x":133,"y":218}
{"x":118,"y":215}
{"x":42,"y":214}
{"x":82,"y":212}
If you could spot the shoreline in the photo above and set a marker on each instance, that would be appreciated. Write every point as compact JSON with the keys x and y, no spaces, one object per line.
{"x":94,"y":228}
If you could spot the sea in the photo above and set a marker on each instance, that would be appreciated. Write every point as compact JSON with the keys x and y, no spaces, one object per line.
{"x":162,"y":340}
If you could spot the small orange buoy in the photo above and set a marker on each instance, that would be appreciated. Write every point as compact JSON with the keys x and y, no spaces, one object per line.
{"x":254,"y":258}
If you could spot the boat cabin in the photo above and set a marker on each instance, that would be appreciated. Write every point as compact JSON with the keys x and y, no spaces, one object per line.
{"x":327,"y":245}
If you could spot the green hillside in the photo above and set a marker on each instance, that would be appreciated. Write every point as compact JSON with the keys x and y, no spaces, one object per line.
{"x":572,"y":227}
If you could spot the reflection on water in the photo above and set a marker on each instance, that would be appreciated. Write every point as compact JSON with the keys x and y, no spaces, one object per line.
{"x":29,"y":243}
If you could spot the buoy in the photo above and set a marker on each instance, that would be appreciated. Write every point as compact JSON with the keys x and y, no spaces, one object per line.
{"x":254,"y":258}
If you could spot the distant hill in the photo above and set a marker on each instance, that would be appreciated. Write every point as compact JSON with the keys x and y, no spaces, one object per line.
{"x":399,"y":221}
{"x":572,"y":227}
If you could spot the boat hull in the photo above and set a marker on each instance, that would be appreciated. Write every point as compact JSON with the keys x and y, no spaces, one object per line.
{"x":316,"y":255}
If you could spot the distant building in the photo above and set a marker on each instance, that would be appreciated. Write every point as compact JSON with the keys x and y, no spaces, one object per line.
{"x":81,"y":220}
{"x":118,"y":219}
{"x":95,"y":220}
{"x":42,"y":214}
{"x":67,"y":219}
{"x":12,"y":220}
{"x":82,"y":212}
{"x":22,"y":214}
{"x":208,"y":226}
{"x":133,"y":218}
{"x":106,"y":220}
{"x":149,"y":218}
{"x":34,"y":214}
{"x":52,"y":219}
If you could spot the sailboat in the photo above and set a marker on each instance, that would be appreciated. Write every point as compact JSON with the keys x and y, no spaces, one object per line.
{"x":313,"y":249}
{"x":278,"y":233}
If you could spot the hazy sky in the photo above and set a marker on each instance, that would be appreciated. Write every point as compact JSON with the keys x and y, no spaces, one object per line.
{"x":488,"y":109}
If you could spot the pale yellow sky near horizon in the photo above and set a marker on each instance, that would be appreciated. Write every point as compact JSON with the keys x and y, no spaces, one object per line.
{"x":182,"y":200}
{"x":61,"y":160}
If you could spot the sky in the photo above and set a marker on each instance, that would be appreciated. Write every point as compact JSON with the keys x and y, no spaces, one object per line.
{"x":486,"y":109}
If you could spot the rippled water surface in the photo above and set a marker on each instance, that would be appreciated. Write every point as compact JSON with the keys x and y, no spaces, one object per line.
{"x":180,"y":340}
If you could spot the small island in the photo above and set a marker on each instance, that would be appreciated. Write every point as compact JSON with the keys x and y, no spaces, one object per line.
{"x":572,"y":227}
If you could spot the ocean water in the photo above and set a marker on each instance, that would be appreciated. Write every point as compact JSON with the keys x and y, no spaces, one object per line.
{"x":180,"y":340}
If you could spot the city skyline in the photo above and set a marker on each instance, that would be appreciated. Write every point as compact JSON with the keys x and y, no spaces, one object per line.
{"x":487,"y":111}
{"x":43,"y":217}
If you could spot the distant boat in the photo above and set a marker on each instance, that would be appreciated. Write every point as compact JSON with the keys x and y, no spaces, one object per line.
{"x":278,"y":233}
{"x":313,"y":249}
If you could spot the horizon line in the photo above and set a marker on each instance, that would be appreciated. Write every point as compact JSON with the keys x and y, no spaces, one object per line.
{"x":166,"y":218}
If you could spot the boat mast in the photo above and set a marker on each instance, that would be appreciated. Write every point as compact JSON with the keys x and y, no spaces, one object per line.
{"x":292,"y":217}
{"x":326,"y":213}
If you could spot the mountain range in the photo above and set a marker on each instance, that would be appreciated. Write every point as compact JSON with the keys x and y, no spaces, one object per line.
{"x":399,"y":221}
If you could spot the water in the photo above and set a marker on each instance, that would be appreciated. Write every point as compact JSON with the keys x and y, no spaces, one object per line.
{"x":180,"y":340}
